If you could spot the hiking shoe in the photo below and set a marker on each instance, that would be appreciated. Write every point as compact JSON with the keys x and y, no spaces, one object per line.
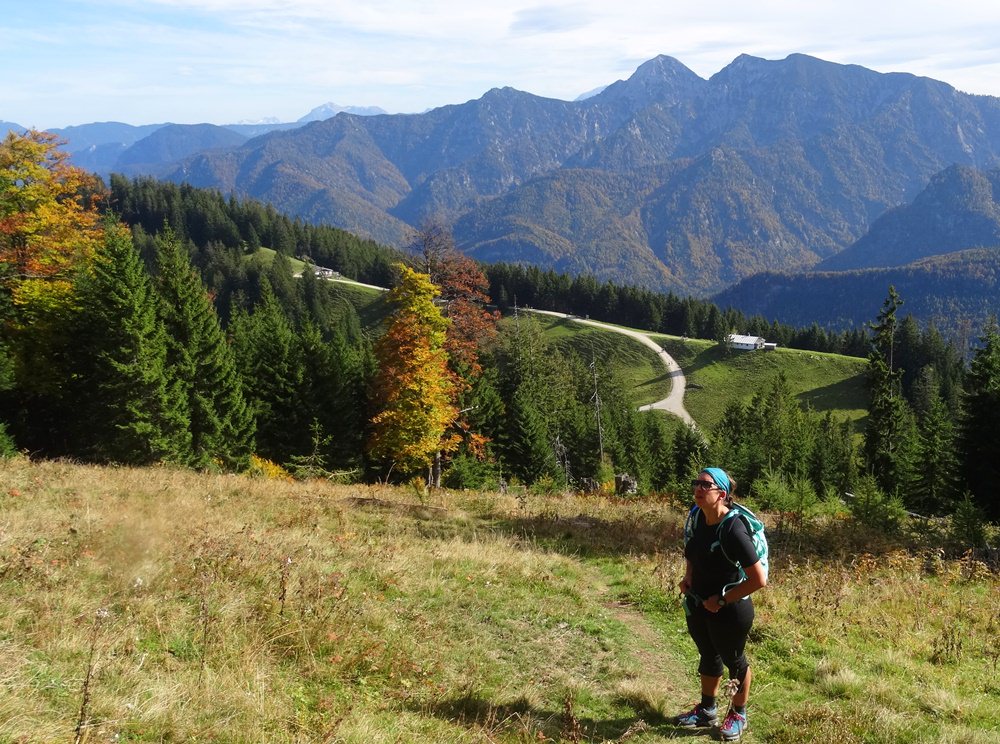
{"x":697,"y":717}
{"x":734,"y":726}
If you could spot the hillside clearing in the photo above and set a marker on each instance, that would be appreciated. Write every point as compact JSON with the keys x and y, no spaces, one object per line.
{"x":158,"y":604}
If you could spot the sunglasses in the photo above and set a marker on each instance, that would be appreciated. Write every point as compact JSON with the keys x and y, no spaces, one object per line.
{"x":707,"y":485}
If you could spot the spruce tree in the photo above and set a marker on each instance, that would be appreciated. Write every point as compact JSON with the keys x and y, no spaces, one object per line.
{"x":833,"y":460}
{"x":221,"y":423}
{"x":936,"y":488}
{"x":888,"y":443}
{"x":530,"y":453}
{"x":688,"y":453}
{"x":131,"y":409}
{"x":270,"y":359}
{"x":660,"y":445}
{"x":980,"y":427}
{"x":328,"y":397}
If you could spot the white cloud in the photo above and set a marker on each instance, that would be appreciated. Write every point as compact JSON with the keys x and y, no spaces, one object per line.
{"x":222,"y":60}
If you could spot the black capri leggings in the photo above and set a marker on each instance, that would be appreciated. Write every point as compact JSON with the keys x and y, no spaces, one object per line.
{"x":721,"y":638}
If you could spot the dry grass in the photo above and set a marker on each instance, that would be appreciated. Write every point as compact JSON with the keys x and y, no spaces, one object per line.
{"x":163,"y":605}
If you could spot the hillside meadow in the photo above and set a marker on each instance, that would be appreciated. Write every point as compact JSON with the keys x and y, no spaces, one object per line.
{"x":715,"y":376}
{"x":156,"y":605}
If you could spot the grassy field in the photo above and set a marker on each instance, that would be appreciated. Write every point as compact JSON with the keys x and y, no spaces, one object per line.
{"x":266,"y":256}
{"x":825,"y":382}
{"x":639,"y":366}
{"x":161,"y":605}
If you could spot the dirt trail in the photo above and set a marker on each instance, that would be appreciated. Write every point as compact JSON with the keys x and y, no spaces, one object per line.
{"x":674,"y":402}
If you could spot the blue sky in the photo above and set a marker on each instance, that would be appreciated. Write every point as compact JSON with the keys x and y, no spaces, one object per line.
{"x":224,"y":61}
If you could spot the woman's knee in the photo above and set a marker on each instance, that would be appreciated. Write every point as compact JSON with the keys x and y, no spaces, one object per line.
{"x":710,"y":666}
{"x":739,"y":668}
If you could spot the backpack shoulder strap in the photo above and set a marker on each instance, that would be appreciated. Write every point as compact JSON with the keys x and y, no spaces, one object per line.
{"x":691,"y":522}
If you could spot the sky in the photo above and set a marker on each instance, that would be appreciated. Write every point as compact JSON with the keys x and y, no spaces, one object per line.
{"x":69,"y":62}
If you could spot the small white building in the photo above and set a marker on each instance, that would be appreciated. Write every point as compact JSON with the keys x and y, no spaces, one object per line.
{"x":744,"y":343}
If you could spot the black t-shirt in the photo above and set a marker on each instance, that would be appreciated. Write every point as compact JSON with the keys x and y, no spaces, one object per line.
{"x":710,"y":569}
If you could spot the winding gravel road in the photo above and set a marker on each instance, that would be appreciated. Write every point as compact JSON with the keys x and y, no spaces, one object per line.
{"x":673,"y":403}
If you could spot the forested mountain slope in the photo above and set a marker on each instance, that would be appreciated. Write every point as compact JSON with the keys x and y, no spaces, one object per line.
{"x":959,"y":209}
{"x":956,"y":292}
{"x":671,"y":180}
{"x":941,"y":251}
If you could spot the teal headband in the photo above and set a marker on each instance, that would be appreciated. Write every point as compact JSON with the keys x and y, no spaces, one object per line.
{"x":720,"y":478}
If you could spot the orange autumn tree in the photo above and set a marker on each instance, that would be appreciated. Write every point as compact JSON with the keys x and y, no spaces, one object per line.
{"x":413,"y":389}
{"x":463,"y":295}
{"x":463,"y":292}
{"x":47,"y":229}
{"x":50,"y":231}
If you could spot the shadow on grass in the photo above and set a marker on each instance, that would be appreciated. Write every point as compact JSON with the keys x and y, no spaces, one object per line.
{"x":593,"y":536}
{"x":651,"y":531}
{"x":844,"y":394}
{"x":521,"y":718}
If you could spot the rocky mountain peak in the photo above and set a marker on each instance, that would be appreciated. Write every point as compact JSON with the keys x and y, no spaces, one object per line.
{"x":660,"y":80}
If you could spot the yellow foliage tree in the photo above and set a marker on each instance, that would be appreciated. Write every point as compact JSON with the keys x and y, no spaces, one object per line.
{"x":413,"y":389}
{"x":49,"y":231}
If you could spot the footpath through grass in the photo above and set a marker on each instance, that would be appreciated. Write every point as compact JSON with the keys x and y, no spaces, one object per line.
{"x":159,"y":605}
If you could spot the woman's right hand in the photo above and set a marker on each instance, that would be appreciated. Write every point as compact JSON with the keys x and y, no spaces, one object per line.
{"x":684,"y":585}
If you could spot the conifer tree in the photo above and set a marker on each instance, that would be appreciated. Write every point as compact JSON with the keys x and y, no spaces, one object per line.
{"x":130,"y":408}
{"x":888,"y":443}
{"x":936,"y":487}
{"x":661,"y":445}
{"x":331,"y":396}
{"x":221,"y":423}
{"x":270,"y":360}
{"x":833,"y":460}
{"x":688,"y":452}
{"x":531,"y":452}
{"x":980,"y":426}
{"x":354,"y":367}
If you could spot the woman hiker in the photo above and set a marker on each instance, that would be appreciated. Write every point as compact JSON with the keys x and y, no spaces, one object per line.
{"x":717,"y":603}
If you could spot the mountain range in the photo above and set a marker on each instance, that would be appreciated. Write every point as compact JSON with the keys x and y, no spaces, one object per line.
{"x":115,"y":147}
{"x":941,"y":252}
{"x":668,"y":180}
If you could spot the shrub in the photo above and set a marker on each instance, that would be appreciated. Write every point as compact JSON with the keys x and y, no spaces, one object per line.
{"x":7,"y":446}
{"x":968,"y":528}
{"x":263,"y":468}
{"x":877,"y":509}
{"x":797,"y":498}
{"x":466,"y":471}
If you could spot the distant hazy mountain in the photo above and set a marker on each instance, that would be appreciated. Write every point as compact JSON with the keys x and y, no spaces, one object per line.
{"x":665,"y":178}
{"x":90,"y":136}
{"x":332,"y":109}
{"x":104,"y":147}
{"x":174,"y":142}
{"x":590,"y":93}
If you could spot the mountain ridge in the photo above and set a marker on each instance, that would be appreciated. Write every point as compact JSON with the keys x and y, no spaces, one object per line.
{"x":665,"y":178}
{"x":768,"y":164}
